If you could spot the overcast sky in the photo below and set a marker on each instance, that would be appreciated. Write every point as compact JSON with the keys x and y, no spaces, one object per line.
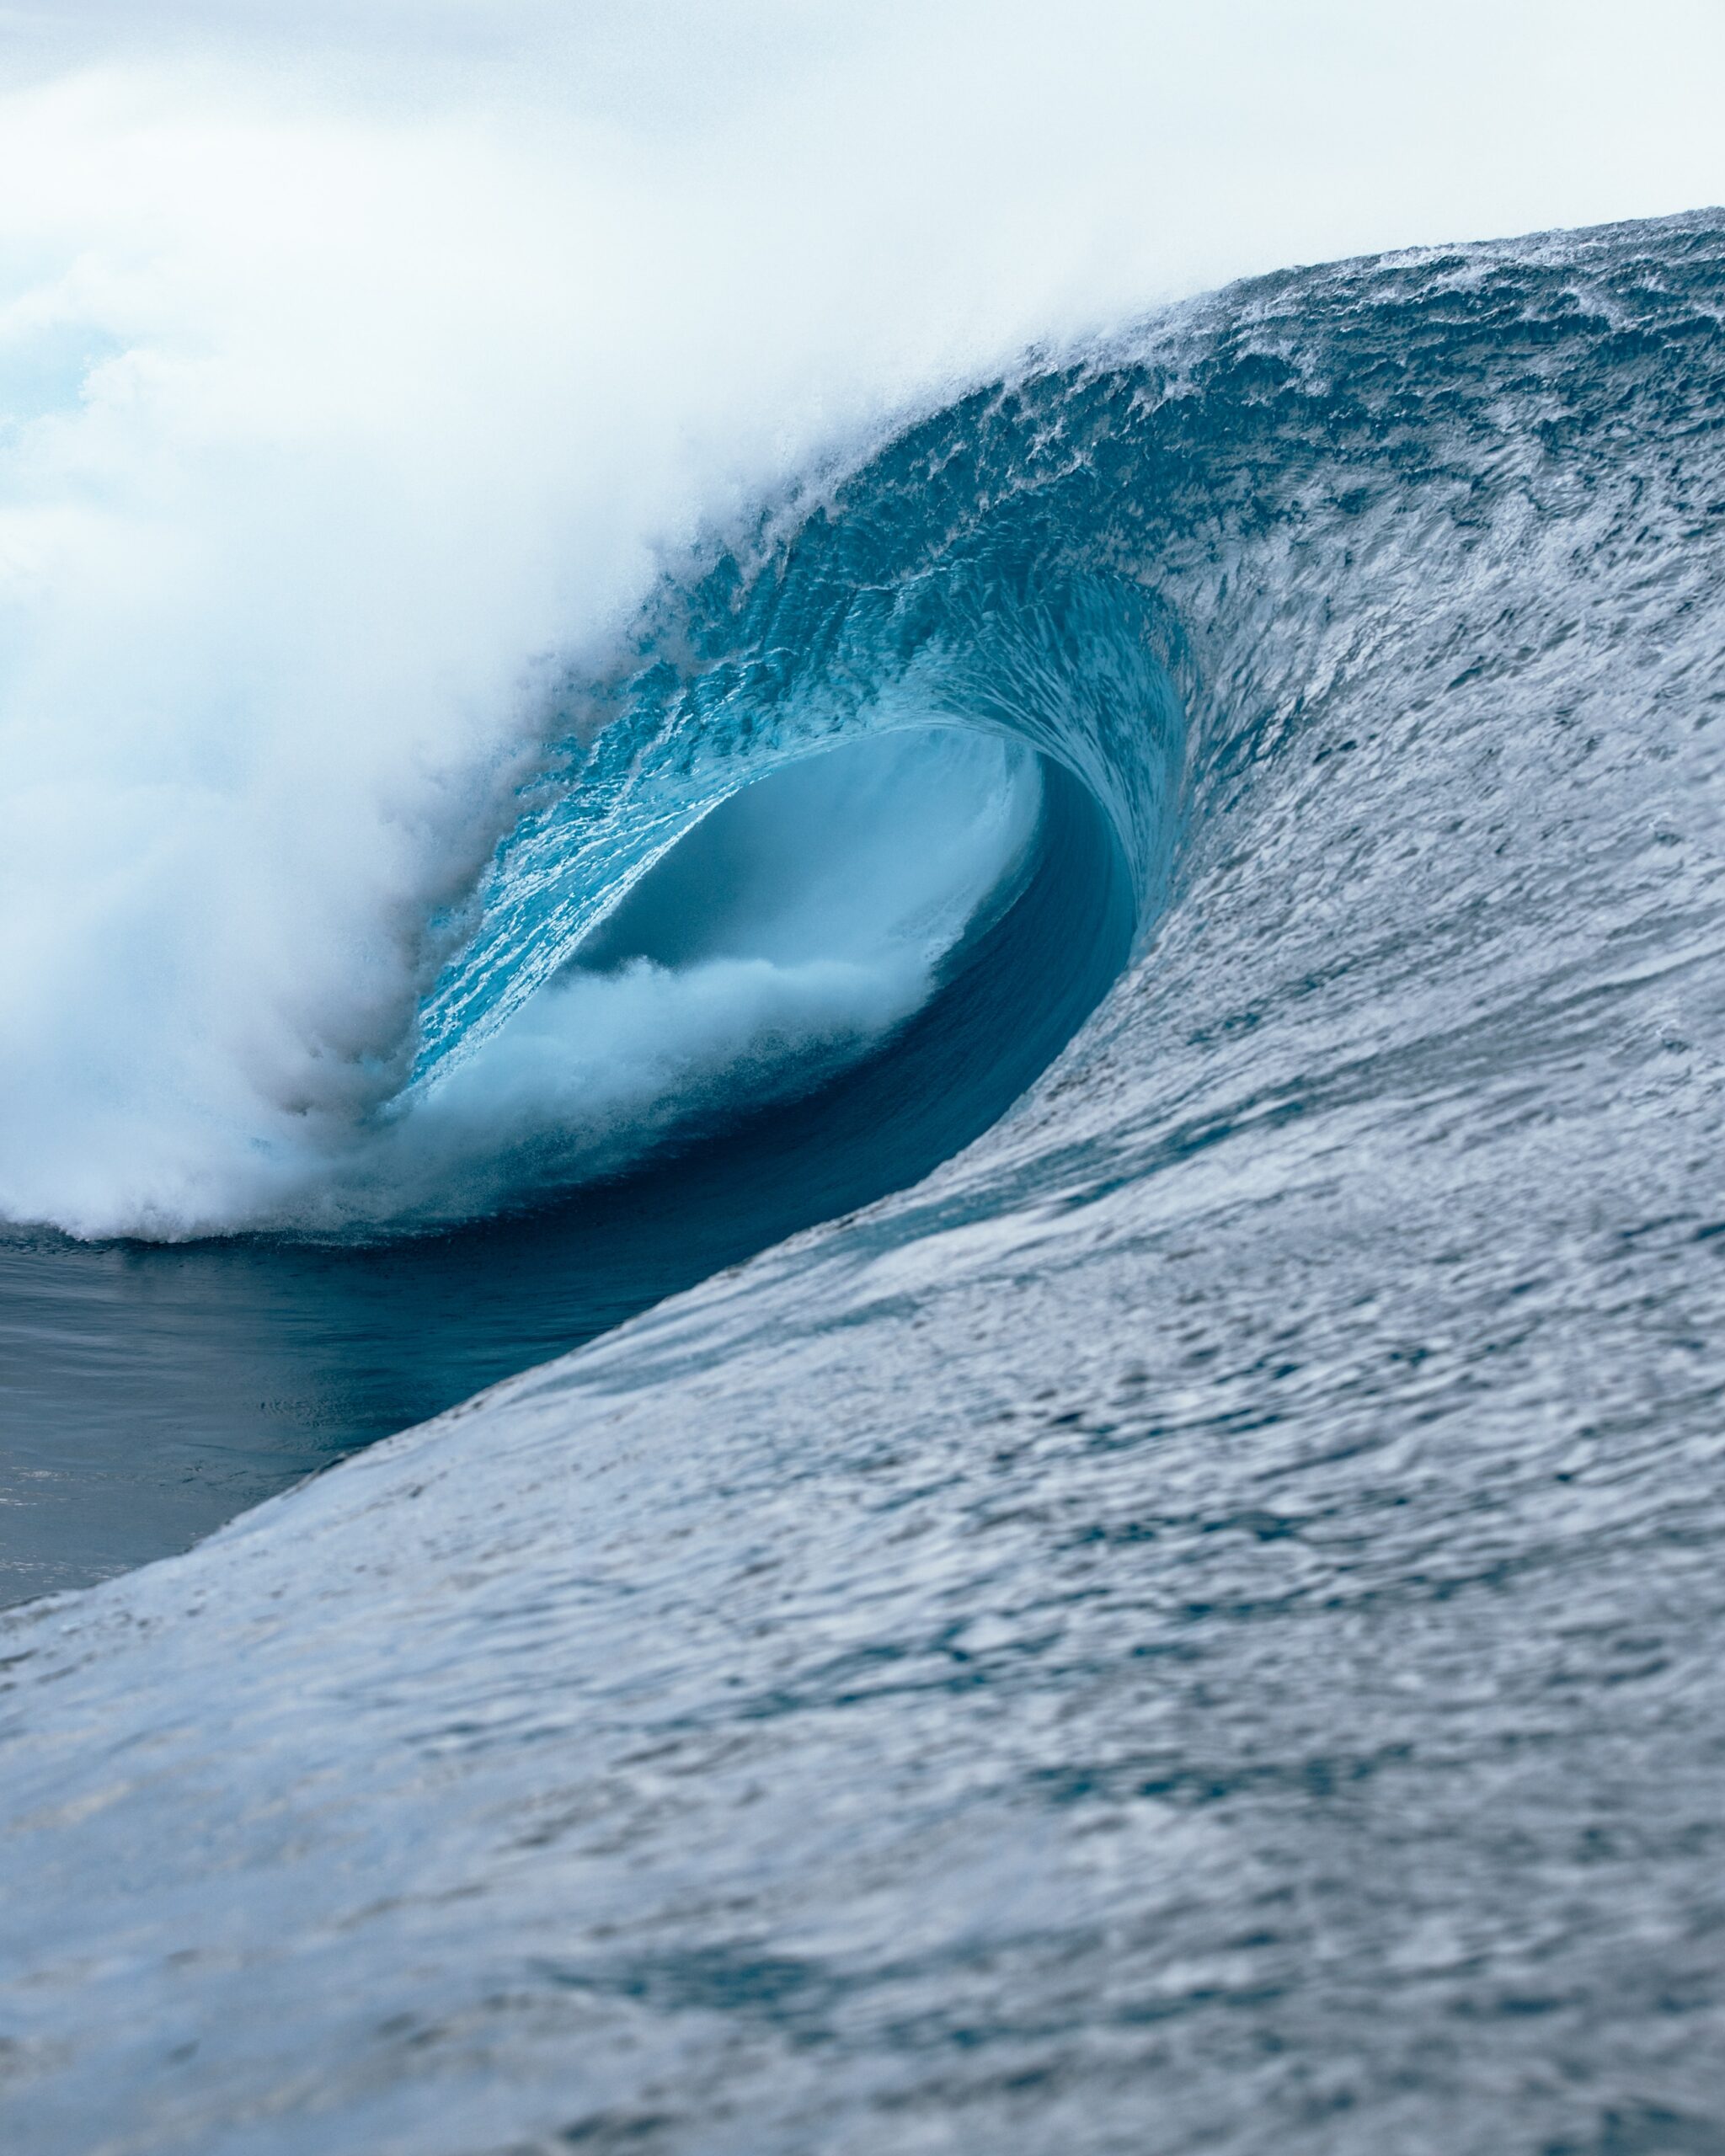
{"x":1327,"y":117}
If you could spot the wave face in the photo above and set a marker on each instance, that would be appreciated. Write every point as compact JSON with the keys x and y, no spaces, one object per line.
{"x":1205,"y":1609}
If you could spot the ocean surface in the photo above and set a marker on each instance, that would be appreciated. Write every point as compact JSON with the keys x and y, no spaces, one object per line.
{"x":1144,"y":970}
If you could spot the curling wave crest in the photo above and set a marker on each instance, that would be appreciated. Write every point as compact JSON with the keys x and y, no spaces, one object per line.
{"x":855,"y":722}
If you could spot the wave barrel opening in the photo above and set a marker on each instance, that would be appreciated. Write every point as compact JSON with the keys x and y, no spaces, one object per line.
{"x":831,"y":978}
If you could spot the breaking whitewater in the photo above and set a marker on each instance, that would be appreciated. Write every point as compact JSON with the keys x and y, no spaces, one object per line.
{"x":1198,"y":1625}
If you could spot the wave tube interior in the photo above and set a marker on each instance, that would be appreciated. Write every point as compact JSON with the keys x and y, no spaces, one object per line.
{"x":828,"y":980}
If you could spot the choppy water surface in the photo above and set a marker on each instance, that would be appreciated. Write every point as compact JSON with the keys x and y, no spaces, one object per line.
{"x":1195,"y":1627}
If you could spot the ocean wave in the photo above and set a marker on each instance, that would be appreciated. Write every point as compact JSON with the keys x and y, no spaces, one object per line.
{"x":1205,"y":1609}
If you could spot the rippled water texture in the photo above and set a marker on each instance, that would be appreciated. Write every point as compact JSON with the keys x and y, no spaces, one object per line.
{"x":1198,"y":1627}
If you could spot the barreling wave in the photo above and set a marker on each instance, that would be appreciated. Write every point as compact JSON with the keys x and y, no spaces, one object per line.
{"x":831,"y":853}
{"x":1204,"y":1608}
{"x":883,"y":722}
{"x":897,"y":743}
{"x":1038,"y":564}
{"x":1133,"y":567}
